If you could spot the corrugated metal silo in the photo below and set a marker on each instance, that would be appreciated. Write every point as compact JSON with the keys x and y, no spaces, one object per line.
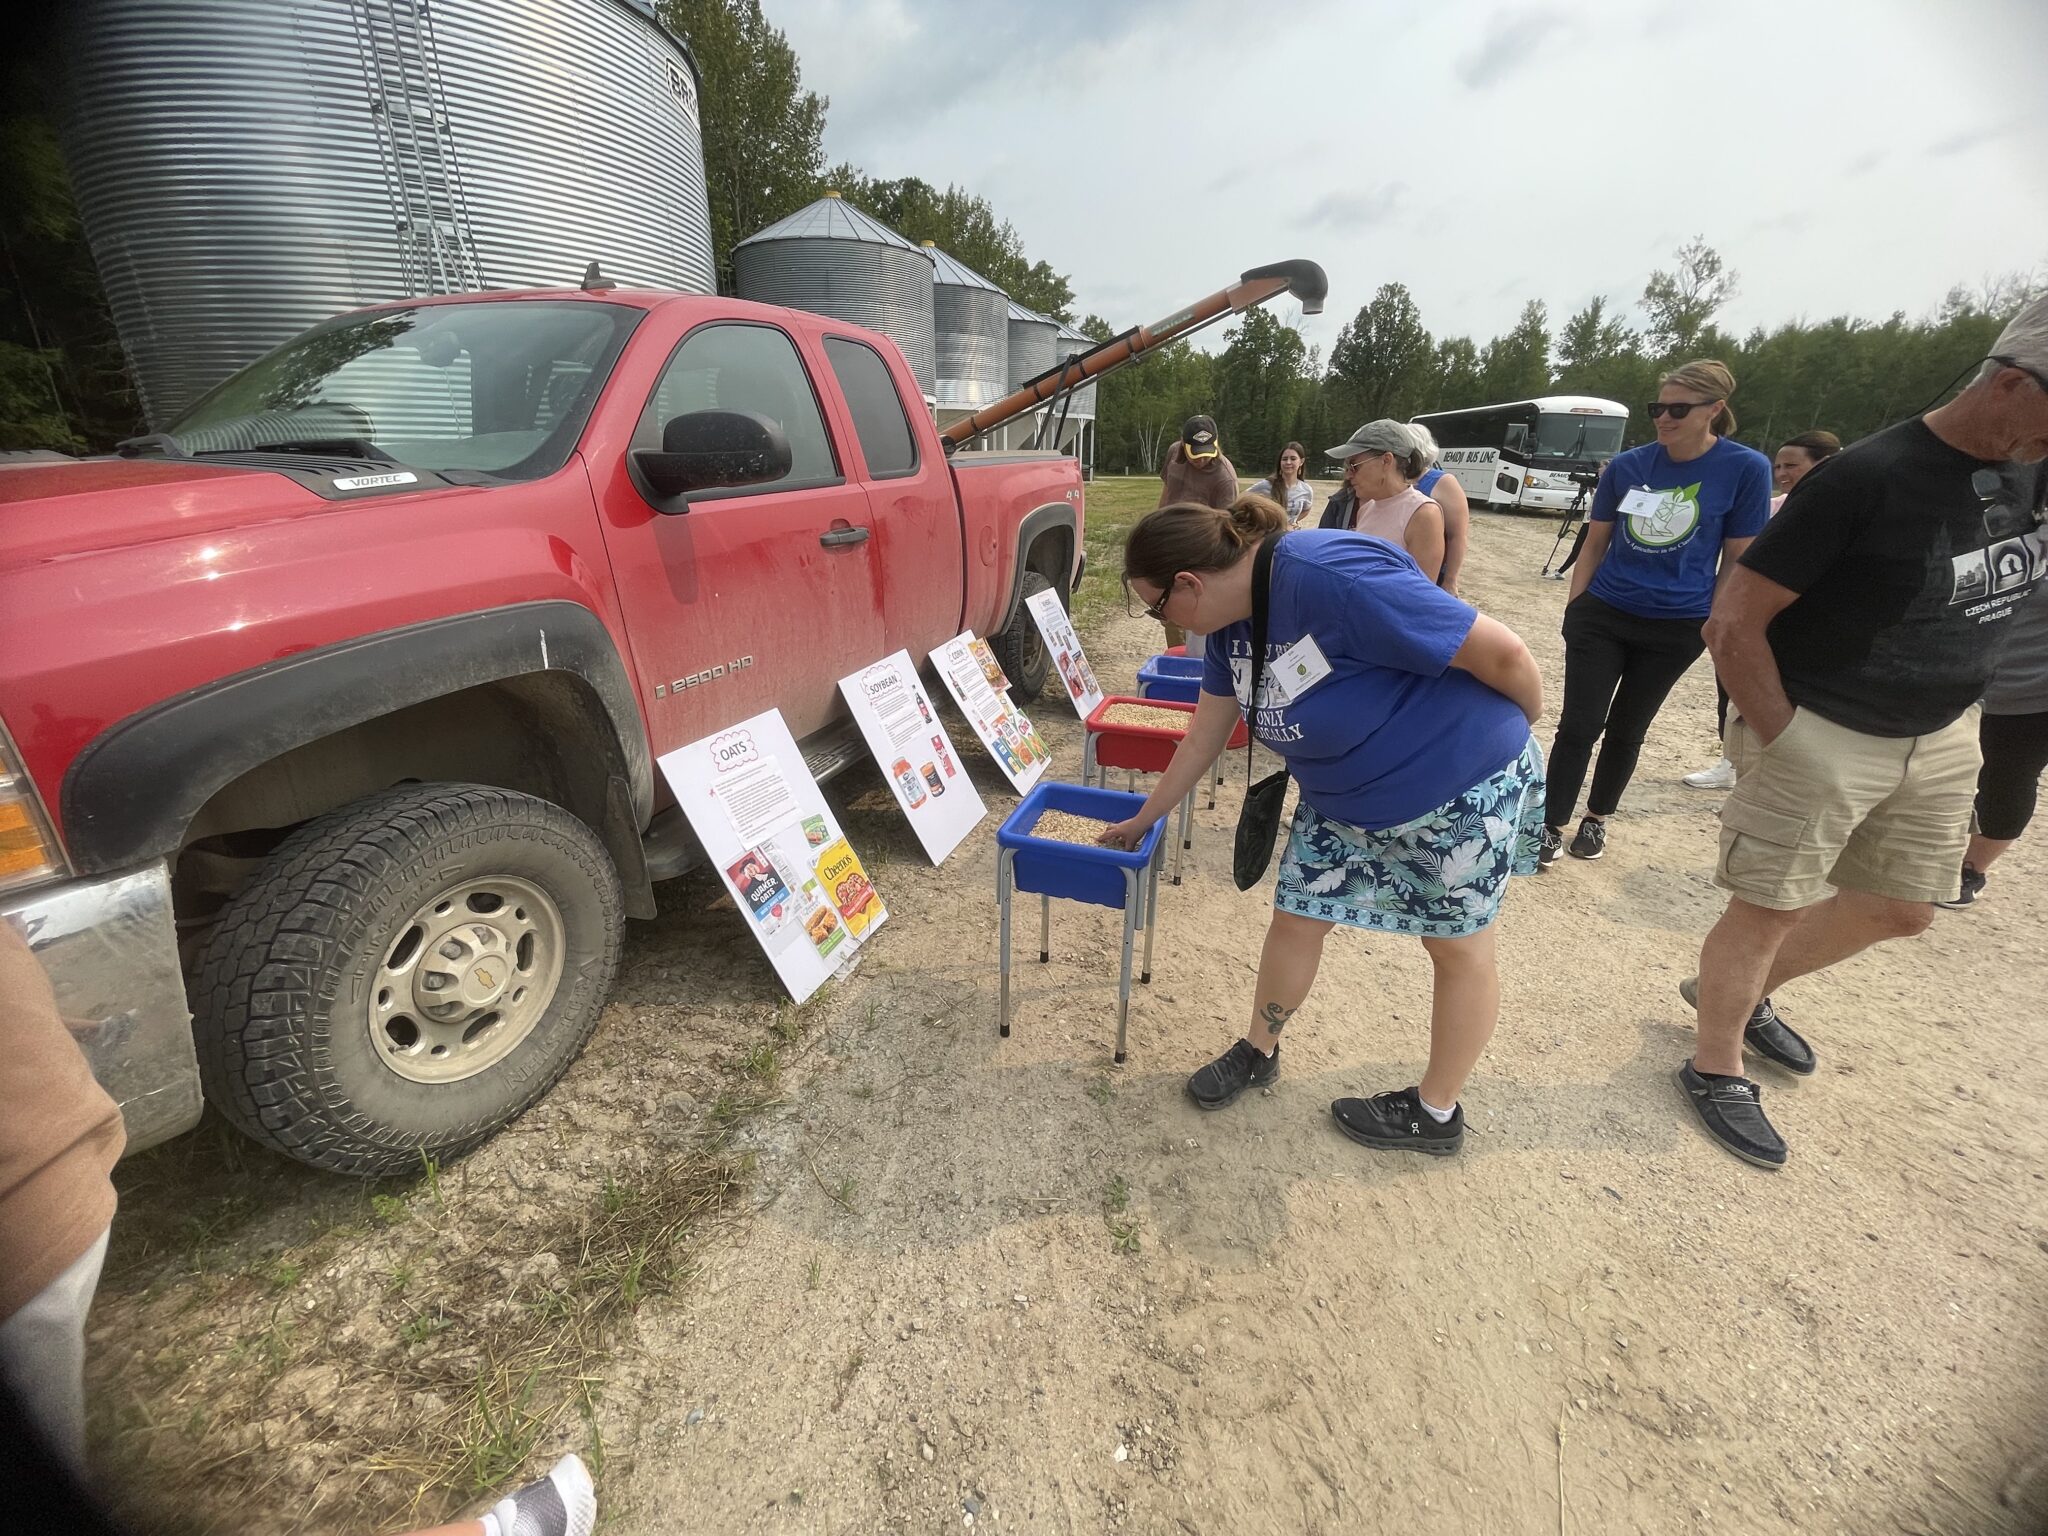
{"x":248,"y":167}
{"x":971,"y":335}
{"x":832,"y":259}
{"x":1068,"y":342}
{"x":1032,"y":338}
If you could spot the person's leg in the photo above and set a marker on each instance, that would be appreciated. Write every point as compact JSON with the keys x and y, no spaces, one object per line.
{"x":561,"y":1504}
{"x":42,"y":1353}
{"x":1657,"y":656}
{"x":1464,"y":1007}
{"x":1287,"y":970}
{"x":1735,"y":962}
{"x":2008,"y":785}
{"x":1593,"y":658}
{"x":1846,"y":924}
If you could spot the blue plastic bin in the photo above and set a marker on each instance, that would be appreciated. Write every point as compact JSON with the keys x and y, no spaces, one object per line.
{"x":1178,"y":678}
{"x":1076,"y":871}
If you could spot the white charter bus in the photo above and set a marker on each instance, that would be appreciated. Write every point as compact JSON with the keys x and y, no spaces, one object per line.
{"x":1524,"y":453}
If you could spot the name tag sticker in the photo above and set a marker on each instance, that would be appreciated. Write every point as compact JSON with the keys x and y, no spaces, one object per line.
{"x":1643,"y":502}
{"x":1300,"y":667}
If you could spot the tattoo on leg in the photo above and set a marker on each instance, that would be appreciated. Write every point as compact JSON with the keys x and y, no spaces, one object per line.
{"x":1274,"y":1017}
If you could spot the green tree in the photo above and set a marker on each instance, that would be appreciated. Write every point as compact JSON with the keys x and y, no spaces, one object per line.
{"x":1682,"y":301}
{"x":1517,"y":366}
{"x":763,"y":132}
{"x":1259,"y":379}
{"x":1381,"y":360}
{"x":1597,"y":354}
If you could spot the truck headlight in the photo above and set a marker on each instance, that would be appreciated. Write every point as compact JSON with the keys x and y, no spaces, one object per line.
{"x":28,"y":848}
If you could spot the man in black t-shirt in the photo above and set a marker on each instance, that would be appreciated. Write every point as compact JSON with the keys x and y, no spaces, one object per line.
{"x":1855,"y":638}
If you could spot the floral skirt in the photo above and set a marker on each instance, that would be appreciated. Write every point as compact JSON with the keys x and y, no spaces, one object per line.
{"x":1440,"y":876}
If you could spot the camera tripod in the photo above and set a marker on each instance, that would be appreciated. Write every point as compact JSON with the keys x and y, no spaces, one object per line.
{"x":1574,"y":516}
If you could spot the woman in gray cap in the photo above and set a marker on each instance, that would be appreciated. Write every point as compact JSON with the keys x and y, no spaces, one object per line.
{"x":1382,"y":461}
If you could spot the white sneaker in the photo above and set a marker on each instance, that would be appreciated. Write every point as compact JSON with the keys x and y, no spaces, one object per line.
{"x":1720,"y":776}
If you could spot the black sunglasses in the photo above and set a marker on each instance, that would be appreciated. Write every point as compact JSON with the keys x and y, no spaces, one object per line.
{"x":2007,"y":516}
{"x":1677,"y":410}
{"x":1156,"y":612}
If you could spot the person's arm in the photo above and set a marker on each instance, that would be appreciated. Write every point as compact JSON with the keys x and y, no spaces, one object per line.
{"x":1457,"y":509}
{"x":1731,"y":552}
{"x":1216,"y":716}
{"x":1424,"y":539}
{"x":1496,"y":656}
{"x":1743,"y":659}
{"x":1587,"y":561}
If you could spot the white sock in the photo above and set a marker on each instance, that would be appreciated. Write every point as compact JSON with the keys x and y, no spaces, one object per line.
{"x":1440,"y":1116}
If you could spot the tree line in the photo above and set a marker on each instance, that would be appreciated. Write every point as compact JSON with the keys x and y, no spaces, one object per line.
{"x":1267,"y":387}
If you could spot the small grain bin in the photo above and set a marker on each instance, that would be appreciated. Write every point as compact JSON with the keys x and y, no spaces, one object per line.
{"x":971,"y":336}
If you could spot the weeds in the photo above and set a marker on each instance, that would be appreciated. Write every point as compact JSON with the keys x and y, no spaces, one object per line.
{"x":398,"y":1280}
{"x":811,"y":1275}
{"x":388,"y":1209}
{"x":432,"y":1170}
{"x":282,"y":1275}
{"x":1101,"y":1090}
{"x":1123,"y":1231}
{"x":1116,"y":1195}
{"x":762,"y":1064}
{"x":1123,"y":1236}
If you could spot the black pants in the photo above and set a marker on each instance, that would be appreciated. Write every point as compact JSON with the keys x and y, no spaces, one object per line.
{"x":1618,"y":670}
{"x":2015,"y":753}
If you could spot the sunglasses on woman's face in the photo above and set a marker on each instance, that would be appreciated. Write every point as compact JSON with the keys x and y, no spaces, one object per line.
{"x":1156,"y":611}
{"x":1677,"y":410}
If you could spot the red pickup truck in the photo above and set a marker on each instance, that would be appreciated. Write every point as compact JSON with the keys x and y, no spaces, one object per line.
{"x":329,"y":717}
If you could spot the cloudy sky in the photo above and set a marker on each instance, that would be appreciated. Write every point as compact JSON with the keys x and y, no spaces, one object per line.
{"x":1845,"y":156}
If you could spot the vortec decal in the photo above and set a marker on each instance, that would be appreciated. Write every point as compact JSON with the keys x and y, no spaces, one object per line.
{"x":371,"y":482}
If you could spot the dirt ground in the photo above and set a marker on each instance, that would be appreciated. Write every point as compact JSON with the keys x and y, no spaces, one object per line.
{"x":964,"y":1282}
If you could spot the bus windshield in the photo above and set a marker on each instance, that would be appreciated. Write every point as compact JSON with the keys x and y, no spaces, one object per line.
{"x":1578,"y":437}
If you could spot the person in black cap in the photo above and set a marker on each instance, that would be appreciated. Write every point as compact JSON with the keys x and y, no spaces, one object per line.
{"x":1196,"y":472}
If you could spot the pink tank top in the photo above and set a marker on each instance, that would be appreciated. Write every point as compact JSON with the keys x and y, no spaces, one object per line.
{"x":1388,"y":517}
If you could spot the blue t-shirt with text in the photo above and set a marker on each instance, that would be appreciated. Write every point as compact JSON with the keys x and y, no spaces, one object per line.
{"x":1663,"y":566}
{"x":1394,"y":731}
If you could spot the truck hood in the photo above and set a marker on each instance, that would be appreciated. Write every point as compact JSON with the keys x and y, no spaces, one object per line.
{"x":50,"y":509}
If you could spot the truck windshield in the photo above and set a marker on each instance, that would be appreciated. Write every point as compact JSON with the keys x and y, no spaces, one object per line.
{"x":1560,"y":436}
{"x":497,"y":388}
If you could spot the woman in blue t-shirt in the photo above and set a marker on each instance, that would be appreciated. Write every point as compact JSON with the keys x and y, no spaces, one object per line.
{"x":1403,"y":716}
{"x":1668,"y":518}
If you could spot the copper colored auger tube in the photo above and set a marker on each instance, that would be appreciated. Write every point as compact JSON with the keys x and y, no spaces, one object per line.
{"x":1303,"y":279}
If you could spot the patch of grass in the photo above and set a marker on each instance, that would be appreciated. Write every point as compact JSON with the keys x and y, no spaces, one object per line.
{"x":811,"y":1275}
{"x":1101,"y":1090}
{"x":401,"y":1277}
{"x":422,"y":1326}
{"x":431,"y":1169}
{"x":388,"y":1209}
{"x":616,"y":1195}
{"x":762,"y":1064}
{"x":500,"y":1429}
{"x":1113,"y":503}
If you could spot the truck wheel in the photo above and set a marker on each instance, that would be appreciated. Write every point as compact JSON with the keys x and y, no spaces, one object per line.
{"x":406,"y":974}
{"x":1020,"y":650}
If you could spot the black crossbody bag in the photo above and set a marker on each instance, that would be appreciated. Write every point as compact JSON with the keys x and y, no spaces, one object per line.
{"x":1259,"y":822}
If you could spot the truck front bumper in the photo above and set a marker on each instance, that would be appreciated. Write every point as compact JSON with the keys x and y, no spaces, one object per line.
{"x":110,"y":949}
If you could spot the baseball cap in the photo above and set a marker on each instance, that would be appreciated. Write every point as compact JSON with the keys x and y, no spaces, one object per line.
{"x":1383,"y":436}
{"x":1199,"y":434}
{"x":2024,"y":341}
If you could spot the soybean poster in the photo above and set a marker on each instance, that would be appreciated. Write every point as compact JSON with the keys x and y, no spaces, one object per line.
{"x":799,"y":886}
{"x":916,"y":755}
{"x":975,"y":679}
{"x":1069,"y":661}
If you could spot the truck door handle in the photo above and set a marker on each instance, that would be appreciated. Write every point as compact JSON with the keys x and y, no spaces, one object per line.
{"x":837,"y":536}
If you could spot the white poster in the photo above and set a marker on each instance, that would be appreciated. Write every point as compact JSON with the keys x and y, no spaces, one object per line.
{"x":975,"y":679}
{"x":902,"y":729}
{"x":1068,"y":659}
{"x":778,"y":848}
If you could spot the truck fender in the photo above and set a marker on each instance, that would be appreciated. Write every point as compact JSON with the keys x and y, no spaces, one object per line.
{"x":129,"y":797}
{"x":1055,"y":523}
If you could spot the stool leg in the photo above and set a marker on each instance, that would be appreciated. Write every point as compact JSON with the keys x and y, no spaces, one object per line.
{"x":1187,"y":841}
{"x":1215,"y":778}
{"x":1044,"y":929}
{"x":1151,"y":914}
{"x":1087,"y":758}
{"x":1133,"y":899}
{"x":1003,"y":943}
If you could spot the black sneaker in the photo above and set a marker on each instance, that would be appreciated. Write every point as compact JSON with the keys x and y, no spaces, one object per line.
{"x":1766,"y":1034}
{"x":1731,"y":1108}
{"x":1549,"y":846}
{"x":1397,"y":1122}
{"x":1237,"y":1069}
{"x":1591,"y":841}
{"x":1973,"y":887}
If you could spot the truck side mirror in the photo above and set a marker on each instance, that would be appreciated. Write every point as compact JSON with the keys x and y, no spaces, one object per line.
{"x":712,"y":450}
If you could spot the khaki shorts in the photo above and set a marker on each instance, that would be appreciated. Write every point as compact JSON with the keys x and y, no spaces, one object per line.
{"x":1824,"y":806}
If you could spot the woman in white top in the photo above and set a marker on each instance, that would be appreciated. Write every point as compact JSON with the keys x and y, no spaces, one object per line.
{"x":1286,"y":486}
{"x":1382,"y":460}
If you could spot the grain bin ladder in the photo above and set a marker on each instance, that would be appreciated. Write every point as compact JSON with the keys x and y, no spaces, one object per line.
{"x":1303,"y":279}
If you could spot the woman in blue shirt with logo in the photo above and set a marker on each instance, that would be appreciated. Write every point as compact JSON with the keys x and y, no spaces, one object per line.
{"x":1403,"y":715}
{"x":1668,"y":518}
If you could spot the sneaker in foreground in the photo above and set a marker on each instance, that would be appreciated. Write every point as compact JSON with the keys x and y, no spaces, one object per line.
{"x":1720,"y":776}
{"x":1237,"y":1069}
{"x":1550,"y":844}
{"x":1765,"y":1033}
{"x":1591,"y":841}
{"x":1397,"y":1122}
{"x":1732,"y":1110}
{"x":1972,"y":887}
{"x":561,"y":1504}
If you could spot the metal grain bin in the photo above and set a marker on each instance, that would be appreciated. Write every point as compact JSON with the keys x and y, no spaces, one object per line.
{"x":971,"y":335}
{"x":832,"y":259}
{"x":1032,"y":339}
{"x":248,"y":167}
{"x":1068,"y":342}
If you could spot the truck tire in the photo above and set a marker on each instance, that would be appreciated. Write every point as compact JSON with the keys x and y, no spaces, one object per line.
{"x":1020,"y":649}
{"x":407,"y":974}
